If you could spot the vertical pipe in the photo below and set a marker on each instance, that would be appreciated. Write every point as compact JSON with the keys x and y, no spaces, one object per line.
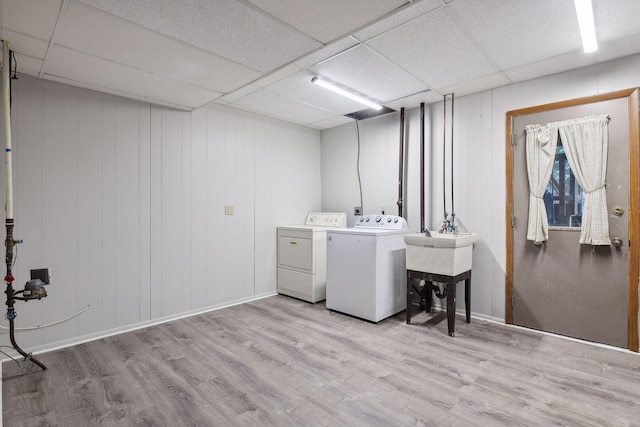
{"x":401,"y":164}
{"x":444,"y":156}
{"x":10,"y":241}
{"x":453,"y":209}
{"x":7,"y":128}
{"x":422,"y":226}
{"x":6,"y":111}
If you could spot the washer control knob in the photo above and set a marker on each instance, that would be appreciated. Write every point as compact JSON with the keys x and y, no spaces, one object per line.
{"x":378,"y":219}
{"x":362,"y":219}
{"x":389,"y":219}
{"x":395,"y":220}
{"x":367,"y":219}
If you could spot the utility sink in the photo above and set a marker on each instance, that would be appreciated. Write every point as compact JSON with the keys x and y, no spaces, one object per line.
{"x":446,"y":254}
{"x":441,"y":240}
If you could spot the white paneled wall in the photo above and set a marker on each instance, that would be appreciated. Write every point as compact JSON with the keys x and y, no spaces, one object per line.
{"x":124,"y":201}
{"x":480,"y":170}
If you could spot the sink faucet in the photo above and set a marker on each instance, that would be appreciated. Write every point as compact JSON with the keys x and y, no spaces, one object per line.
{"x":449,"y":224}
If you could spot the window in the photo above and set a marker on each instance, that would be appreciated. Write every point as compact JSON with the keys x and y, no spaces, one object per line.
{"x":563,"y":197}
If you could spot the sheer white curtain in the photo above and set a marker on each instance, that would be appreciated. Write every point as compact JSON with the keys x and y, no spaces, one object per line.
{"x":586,"y":143}
{"x":541,"y":153}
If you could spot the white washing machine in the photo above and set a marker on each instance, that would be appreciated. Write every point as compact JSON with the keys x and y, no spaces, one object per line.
{"x":302,"y":256}
{"x":366,"y":268}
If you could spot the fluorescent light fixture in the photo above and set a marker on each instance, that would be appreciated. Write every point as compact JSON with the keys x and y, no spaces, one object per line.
{"x":587,"y":26}
{"x":320,"y":82}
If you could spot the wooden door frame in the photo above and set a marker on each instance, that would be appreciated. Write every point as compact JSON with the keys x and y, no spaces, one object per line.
{"x":634,"y":198}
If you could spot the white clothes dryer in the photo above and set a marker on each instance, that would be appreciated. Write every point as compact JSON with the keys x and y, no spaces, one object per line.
{"x":366,"y":268}
{"x":302,"y":256}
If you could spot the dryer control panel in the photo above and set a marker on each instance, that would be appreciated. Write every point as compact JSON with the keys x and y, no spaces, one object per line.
{"x":327,"y":219}
{"x":390,"y":222}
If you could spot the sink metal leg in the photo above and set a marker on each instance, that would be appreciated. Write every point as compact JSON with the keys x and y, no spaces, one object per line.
{"x":451,"y":307}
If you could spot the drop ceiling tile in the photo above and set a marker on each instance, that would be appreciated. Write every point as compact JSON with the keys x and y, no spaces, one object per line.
{"x":240,"y":93}
{"x":35,"y":18}
{"x":515,"y":32}
{"x":616,"y":20}
{"x":299,"y":88}
{"x":416,"y":9}
{"x":279,"y":74}
{"x":103,"y":35}
{"x":369,"y":73}
{"x":326,"y":52}
{"x":110,"y":77}
{"x":434,"y":49}
{"x":25,"y":44}
{"x":28,"y":64}
{"x":618,"y":48}
{"x":229,"y":28}
{"x":328,"y":20}
{"x":332,"y":122}
{"x":272,"y":104}
{"x":557,"y":64}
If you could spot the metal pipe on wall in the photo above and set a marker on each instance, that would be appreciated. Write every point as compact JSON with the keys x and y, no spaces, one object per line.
{"x":453,"y":209}
{"x":10,"y":242}
{"x":401,"y":165}
{"x":8,"y":162}
{"x":6,"y":110}
{"x":444,"y":157}
{"x":422,"y":226}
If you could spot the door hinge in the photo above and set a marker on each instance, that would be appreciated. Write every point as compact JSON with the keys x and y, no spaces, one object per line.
{"x":513,"y":221}
{"x":513,"y":140}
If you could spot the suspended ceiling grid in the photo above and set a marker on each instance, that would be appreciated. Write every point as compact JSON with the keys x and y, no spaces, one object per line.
{"x":260,"y":55}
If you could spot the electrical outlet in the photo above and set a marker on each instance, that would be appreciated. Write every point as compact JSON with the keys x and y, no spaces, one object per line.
{"x":229,"y":210}
{"x":357,"y":211}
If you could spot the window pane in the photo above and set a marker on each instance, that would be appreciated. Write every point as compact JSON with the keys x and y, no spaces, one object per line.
{"x":563,"y":198}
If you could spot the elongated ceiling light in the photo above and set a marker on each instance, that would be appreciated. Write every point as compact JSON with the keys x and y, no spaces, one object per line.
{"x":325,"y":84}
{"x":587,"y":26}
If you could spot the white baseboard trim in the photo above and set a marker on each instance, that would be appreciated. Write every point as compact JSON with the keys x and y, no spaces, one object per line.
{"x":549,"y":334}
{"x":501,"y":321}
{"x":128,"y":328}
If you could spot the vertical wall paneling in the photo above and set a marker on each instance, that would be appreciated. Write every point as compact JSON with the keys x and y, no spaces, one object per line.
{"x":54,"y":185}
{"x":185,"y":228}
{"x":108,"y":213}
{"x":144,"y":220}
{"x":124,"y":201}
{"x":340,"y":191}
{"x":127,"y":214}
{"x":199,"y":215}
{"x":60,"y":230}
{"x":235,"y":258}
{"x":89,"y":211}
{"x":233,"y":223}
{"x":155,"y":168}
{"x":217,"y":245}
{"x":27,"y":140}
{"x":171,"y":210}
{"x":265,"y":213}
{"x":246,"y":166}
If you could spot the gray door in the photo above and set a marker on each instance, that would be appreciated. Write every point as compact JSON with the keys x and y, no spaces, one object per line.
{"x":562,"y":286}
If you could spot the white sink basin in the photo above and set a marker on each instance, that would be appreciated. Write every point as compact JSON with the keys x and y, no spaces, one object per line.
{"x":438,"y":240}
{"x":447,"y":254}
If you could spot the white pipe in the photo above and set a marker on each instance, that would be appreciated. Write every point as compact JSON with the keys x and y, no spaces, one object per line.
{"x":6,"y":111}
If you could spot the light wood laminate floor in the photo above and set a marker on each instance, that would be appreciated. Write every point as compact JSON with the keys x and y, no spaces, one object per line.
{"x":283,"y":362}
